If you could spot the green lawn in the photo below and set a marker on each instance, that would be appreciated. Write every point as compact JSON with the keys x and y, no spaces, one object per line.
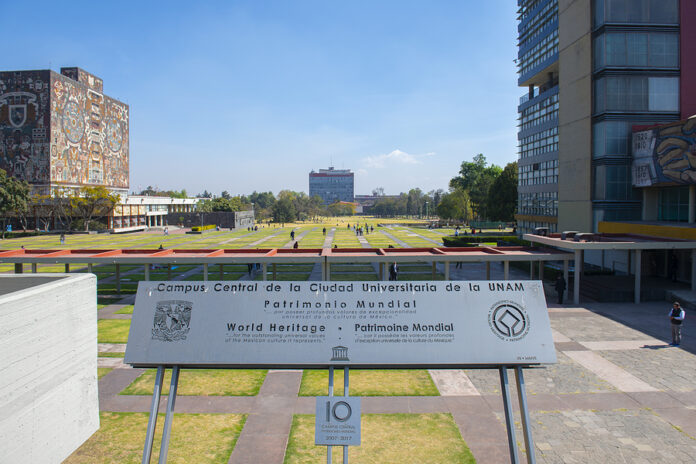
{"x":110,"y":354}
{"x":195,"y":438}
{"x":128,"y":309}
{"x":203,"y":382}
{"x":371,"y":382}
{"x":335,"y":276}
{"x":113,"y":330}
{"x":386,"y":438}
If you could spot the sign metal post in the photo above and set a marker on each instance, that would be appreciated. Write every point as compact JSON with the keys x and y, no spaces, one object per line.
{"x":524,"y":412}
{"x":164,"y":449}
{"x":169,"y":416}
{"x":329,"y":448}
{"x":509,"y":417}
{"x":345,"y":393}
{"x":154,"y":409}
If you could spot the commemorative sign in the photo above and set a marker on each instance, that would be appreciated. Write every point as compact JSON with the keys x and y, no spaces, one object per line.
{"x":337,"y":421}
{"x":343,"y":324}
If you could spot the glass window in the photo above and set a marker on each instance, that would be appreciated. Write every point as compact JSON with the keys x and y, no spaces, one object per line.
{"x":664,"y":50}
{"x":674,"y":204}
{"x":636,"y":94}
{"x":616,"y":10}
{"x":613,"y":183}
{"x":599,"y":52}
{"x":664,"y":11}
{"x":598,"y":12}
{"x":616,"y":49}
{"x":664,"y":94}
{"x":637,"y":47}
{"x":637,"y":11}
{"x":611,"y":138}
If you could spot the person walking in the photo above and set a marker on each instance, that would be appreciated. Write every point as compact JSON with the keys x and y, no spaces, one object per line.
{"x":560,"y":287}
{"x":292,"y":235}
{"x":323,"y":231}
{"x":676,"y":318}
{"x":393,"y":271}
{"x":62,"y":239}
{"x":673,"y":267}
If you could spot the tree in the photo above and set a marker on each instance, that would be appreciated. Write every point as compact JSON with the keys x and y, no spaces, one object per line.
{"x":455,"y":205}
{"x":91,"y":201}
{"x":46,"y":210}
{"x":226,"y":195}
{"x":378,"y":192}
{"x":284,"y":209}
{"x":476,"y":179}
{"x":502,"y":196}
{"x":340,"y":209}
{"x":14,"y":197}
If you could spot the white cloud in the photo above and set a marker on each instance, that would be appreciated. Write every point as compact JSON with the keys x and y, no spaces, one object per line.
{"x":394,"y":158}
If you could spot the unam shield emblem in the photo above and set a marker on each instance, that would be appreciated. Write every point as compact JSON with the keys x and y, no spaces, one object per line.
{"x":172,"y":320}
{"x":18,"y":115}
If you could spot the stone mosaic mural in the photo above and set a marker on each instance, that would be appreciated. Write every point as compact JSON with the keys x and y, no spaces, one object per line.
{"x":62,"y":130}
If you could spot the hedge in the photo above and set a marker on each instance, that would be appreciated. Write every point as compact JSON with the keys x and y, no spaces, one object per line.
{"x":202,"y":228}
{"x":474,"y":240}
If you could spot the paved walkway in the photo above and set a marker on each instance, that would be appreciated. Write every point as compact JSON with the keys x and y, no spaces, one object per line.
{"x":259,"y":242}
{"x":617,"y":394}
{"x":298,"y":237}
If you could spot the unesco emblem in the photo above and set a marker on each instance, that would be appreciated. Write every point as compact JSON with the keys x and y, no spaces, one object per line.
{"x":508,"y":321}
{"x":339,"y":353}
{"x":172,"y":320}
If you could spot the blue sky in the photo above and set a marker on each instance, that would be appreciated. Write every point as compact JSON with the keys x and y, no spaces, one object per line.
{"x":252,"y":95}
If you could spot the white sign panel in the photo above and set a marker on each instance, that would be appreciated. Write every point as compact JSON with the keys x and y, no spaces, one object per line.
{"x":337,"y":420}
{"x":356,"y":324}
{"x":643,"y":168}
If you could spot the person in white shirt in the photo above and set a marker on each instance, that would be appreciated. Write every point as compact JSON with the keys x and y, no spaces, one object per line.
{"x":676,"y":317}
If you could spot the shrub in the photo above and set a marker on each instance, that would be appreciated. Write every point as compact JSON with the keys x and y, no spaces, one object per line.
{"x":474,"y":240}
{"x":202,"y":228}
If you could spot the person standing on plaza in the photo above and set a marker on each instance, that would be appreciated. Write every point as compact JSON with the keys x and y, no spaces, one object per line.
{"x":393,"y":271}
{"x":62,"y":239}
{"x":560,"y":287}
{"x":676,"y":318}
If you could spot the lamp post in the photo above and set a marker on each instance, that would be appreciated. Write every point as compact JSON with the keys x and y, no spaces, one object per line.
{"x":427,"y":216}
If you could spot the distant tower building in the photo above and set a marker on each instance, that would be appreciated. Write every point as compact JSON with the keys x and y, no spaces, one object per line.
{"x":332,"y":185}
{"x":60,"y":131}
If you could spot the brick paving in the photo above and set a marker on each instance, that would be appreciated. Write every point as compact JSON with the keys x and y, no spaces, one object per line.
{"x":617,"y":394}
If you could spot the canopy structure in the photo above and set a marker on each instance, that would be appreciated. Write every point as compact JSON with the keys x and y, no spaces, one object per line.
{"x":632,"y":243}
{"x":323,"y":256}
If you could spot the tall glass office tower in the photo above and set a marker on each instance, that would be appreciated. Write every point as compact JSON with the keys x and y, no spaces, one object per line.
{"x":594,"y":71}
{"x":537,"y":63}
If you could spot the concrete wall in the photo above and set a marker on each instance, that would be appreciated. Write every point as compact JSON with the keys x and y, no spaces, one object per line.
{"x":224,"y":219}
{"x":574,"y":116}
{"x":48,"y":385}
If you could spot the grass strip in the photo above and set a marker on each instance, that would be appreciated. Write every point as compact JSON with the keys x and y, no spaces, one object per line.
{"x":392,"y":438}
{"x":113,"y":330}
{"x":372,"y":382}
{"x":195,"y":438}
{"x":203,"y":382}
